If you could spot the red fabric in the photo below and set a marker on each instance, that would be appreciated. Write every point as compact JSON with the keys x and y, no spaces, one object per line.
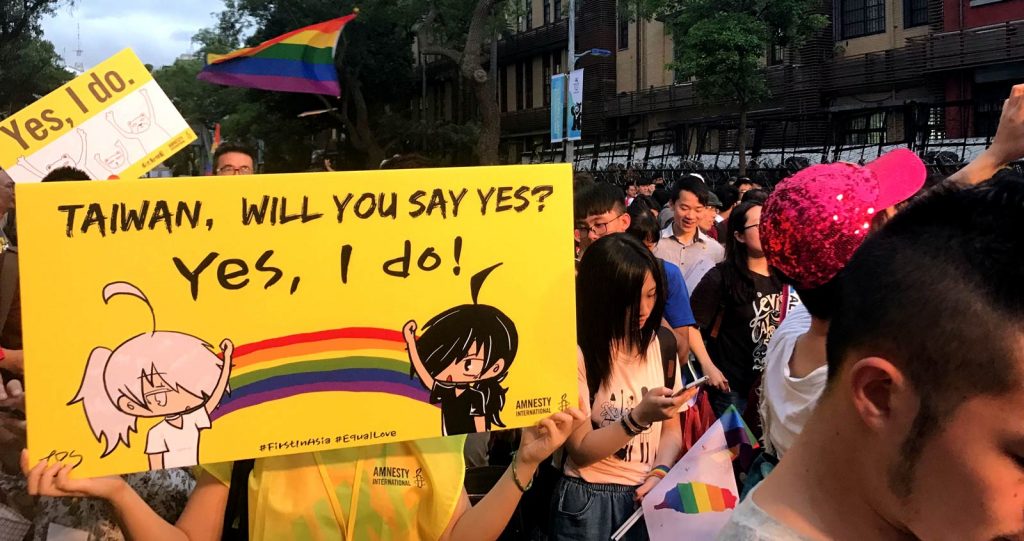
{"x":696,"y":421}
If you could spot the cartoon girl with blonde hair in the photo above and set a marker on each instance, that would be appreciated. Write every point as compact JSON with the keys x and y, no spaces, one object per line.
{"x":155,"y":374}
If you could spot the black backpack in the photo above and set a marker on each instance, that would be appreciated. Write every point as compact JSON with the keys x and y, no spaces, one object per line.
{"x":669,"y":362}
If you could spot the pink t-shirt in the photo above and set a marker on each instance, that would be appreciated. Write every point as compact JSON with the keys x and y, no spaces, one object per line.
{"x":627,"y":384}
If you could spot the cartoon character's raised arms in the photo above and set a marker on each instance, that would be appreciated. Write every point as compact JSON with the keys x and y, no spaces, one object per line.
{"x":462,"y":357}
{"x":165,"y":374}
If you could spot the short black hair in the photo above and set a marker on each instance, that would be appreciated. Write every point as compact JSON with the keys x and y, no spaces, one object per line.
{"x":740,"y":181}
{"x":662,"y":196}
{"x":693,"y":185}
{"x":819,"y":301}
{"x":939,"y":292}
{"x":225,"y":148}
{"x":644,"y":202}
{"x":581,"y":178}
{"x":596,"y":199}
{"x":643,"y":226}
{"x":756,"y":195}
{"x":66,"y":173}
{"x":728,"y":195}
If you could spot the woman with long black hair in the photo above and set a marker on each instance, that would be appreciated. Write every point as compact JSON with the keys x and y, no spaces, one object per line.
{"x":634,"y":436}
{"x":737,"y":306}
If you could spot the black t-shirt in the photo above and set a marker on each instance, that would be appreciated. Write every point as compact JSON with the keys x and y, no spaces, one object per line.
{"x":747,"y":324}
{"x":458,"y":410}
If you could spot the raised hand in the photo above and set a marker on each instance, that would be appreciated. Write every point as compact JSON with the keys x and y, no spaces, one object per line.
{"x":539,"y":441}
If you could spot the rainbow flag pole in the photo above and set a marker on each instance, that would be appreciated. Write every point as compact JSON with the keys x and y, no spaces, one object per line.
{"x":300,"y":61}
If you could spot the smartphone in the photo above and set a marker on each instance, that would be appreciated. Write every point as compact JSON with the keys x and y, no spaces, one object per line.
{"x":691,"y":385}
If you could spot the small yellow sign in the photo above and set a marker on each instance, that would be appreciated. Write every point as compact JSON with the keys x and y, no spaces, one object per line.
{"x":113,"y":121}
{"x":354,"y":308}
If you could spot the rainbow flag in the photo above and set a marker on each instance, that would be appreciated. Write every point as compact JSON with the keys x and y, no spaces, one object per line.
{"x":300,"y":61}
{"x":737,"y":434}
{"x":696,"y":497}
{"x":358,"y":359}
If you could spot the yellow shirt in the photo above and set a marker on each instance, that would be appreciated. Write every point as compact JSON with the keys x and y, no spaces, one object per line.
{"x":390,"y":492}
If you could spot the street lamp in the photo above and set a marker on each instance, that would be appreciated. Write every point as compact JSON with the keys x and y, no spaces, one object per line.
{"x":593,"y":52}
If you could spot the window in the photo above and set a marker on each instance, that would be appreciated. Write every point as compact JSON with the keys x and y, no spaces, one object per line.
{"x":547,"y":11}
{"x":868,"y":129}
{"x":546,"y":61}
{"x":528,"y":83}
{"x":975,"y":3}
{"x":623,"y":34}
{"x":519,"y":87}
{"x":529,"y":14}
{"x":556,"y":14}
{"x":776,"y":55}
{"x":556,"y":62}
{"x":503,"y":87}
{"x":862,"y":18}
{"x":915,"y":13}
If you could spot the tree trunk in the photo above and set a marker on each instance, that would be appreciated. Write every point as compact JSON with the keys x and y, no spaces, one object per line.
{"x":470,"y":61}
{"x":741,"y":142}
{"x":490,"y":123}
{"x":359,"y":131}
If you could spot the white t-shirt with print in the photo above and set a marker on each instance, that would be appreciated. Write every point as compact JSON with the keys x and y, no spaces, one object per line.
{"x":629,"y":381}
{"x":180,"y":446}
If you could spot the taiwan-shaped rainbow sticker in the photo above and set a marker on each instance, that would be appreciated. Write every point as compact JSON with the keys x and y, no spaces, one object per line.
{"x":355,"y":359}
{"x":693,"y":498}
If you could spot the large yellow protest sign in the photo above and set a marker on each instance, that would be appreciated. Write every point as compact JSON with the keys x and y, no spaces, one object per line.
{"x":355,"y":309}
{"x":113,"y":121}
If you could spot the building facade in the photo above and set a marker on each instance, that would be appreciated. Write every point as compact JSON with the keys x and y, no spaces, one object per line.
{"x":930,"y":74}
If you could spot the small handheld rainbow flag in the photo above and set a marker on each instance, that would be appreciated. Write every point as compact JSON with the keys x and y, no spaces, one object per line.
{"x":300,"y":61}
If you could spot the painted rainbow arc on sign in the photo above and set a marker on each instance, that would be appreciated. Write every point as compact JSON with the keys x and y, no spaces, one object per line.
{"x":696,"y":497}
{"x":357,"y":359}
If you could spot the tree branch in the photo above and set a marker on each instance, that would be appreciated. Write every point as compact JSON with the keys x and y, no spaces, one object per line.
{"x":427,"y":45}
{"x":447,"y":52}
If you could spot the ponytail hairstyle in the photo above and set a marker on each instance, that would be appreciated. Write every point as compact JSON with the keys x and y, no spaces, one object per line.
{"x":184,"y":362}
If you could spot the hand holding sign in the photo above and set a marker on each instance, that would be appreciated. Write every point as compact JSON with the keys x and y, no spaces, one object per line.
{"x":321,"y":285}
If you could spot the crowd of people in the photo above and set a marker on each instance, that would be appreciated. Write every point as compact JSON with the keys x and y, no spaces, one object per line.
{"x":865,"y":319}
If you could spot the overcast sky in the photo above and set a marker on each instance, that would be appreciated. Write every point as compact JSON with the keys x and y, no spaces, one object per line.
{"x":157,"y":30}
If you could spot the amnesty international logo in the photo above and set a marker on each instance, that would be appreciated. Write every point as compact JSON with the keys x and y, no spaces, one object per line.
{"x":421,"y":482}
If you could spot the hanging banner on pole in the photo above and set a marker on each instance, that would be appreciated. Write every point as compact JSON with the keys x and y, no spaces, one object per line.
{"x":575,"y":105}
{"x":558,"y":108}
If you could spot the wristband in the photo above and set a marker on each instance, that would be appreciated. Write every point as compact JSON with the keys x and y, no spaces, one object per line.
{"x":515,"y":476}
{"x":636,"y":424}
{"x":630,"y":431}
{"x":656,"y":473}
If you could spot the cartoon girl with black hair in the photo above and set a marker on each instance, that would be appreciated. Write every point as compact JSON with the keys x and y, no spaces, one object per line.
{"x":467,"y":351}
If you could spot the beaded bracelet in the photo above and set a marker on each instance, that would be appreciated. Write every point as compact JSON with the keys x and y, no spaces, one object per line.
{"x":515,"y":476}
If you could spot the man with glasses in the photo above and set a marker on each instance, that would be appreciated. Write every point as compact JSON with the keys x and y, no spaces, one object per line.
{"x":233,"y":159}
{"x":682,"y":241}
